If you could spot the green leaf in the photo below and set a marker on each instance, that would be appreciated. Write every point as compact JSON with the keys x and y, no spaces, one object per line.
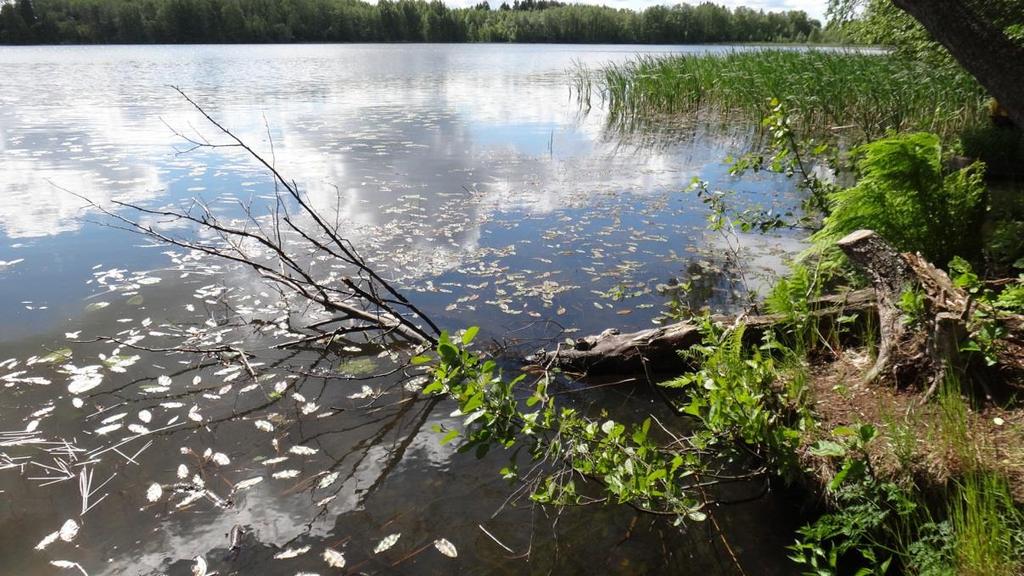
{"x":419,"y":360}
{"x":855,"y":467}
{"x":447,"y":352}
{"x":433,"y":387}
{"x":469,"y":334}
{"x":451,"y":435}
{"x":867,"y":433}
{"x":828,"y":448}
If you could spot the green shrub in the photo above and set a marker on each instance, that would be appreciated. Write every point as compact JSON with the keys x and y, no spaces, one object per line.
{"x":904,"y":195}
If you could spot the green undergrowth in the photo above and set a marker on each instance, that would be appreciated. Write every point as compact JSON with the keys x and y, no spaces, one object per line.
{"x":894,"y":522}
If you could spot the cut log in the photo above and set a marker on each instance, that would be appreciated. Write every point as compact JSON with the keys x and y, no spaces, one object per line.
{"x":657,"y":349}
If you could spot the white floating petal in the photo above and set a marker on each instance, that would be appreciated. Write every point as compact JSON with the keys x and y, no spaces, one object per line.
{"x":327,"y":480}
{"x":107,"y":429}
{"x":49,"y":539}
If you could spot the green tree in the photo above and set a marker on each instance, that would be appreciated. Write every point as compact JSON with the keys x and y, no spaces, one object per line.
{"x":983,"y":36}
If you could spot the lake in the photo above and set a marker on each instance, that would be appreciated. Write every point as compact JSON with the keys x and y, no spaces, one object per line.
{"x":468,"y":175}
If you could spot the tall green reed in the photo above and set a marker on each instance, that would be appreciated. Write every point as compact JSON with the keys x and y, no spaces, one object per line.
{"x":861,"y":95}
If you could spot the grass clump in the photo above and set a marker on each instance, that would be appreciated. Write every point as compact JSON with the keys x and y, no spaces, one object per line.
{"x":869,"y":94}
{"x":987,"y":527}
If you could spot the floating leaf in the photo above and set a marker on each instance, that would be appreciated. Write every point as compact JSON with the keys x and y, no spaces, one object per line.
{"x":221,"y":459}
{"x":327,"y":480}
{"x":244,"y":484}
{"x":291,"y":553}
{"x":61,"y":355}
{"x":445,"y":547}
{"x":154,"y":492}
{"x":334,"y":558}
{"x":199,"y":567}
{"x":69,"y":530}
{"x":264,"y":426}
{"x":303,"y":450}
{"x":285,"y":474}
{"x":387,"y":543}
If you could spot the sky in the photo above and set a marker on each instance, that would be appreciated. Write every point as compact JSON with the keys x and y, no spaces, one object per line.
{"x":814,"y":8}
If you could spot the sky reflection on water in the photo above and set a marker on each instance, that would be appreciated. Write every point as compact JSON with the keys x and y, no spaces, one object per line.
{"x":466,"y":173}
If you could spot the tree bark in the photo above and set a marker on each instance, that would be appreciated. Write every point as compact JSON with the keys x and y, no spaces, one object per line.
{"x":913,"y":349}
{"x":979,"y":45}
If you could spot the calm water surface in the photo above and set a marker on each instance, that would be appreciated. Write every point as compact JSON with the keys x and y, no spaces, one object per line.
{"x":466,"y":173}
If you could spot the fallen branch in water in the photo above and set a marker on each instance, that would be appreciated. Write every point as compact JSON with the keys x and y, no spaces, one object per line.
{"x":282,"y":247}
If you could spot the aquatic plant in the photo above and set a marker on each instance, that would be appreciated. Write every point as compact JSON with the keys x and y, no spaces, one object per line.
{"x":856,"y":94}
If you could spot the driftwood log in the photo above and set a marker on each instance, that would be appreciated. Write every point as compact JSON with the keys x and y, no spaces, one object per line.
{"x":657,"y":349}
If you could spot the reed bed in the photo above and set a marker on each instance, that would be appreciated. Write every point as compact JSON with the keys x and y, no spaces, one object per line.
{"x":868,"y":94}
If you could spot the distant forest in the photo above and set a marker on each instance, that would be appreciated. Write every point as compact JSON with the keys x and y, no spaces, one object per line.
{"x":260,"y":21}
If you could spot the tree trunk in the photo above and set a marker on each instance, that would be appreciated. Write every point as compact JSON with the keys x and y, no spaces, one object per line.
{"x":979,"y":45}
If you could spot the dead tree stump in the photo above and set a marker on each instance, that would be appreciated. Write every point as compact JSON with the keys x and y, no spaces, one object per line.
{"x":913,"y":349}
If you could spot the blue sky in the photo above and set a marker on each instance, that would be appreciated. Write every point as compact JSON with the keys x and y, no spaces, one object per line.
{"x":814,"y":8}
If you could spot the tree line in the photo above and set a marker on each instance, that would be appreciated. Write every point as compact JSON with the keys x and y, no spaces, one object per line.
{"x":262,"y":21}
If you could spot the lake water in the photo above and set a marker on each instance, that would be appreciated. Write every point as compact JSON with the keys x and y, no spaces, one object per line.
{"x":467,"y":173}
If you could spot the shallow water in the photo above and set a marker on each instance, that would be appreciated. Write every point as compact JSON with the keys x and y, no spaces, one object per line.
{"x":466,"y":173}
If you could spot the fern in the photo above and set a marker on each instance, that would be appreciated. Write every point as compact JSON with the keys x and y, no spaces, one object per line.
{"x":903,"y":195}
